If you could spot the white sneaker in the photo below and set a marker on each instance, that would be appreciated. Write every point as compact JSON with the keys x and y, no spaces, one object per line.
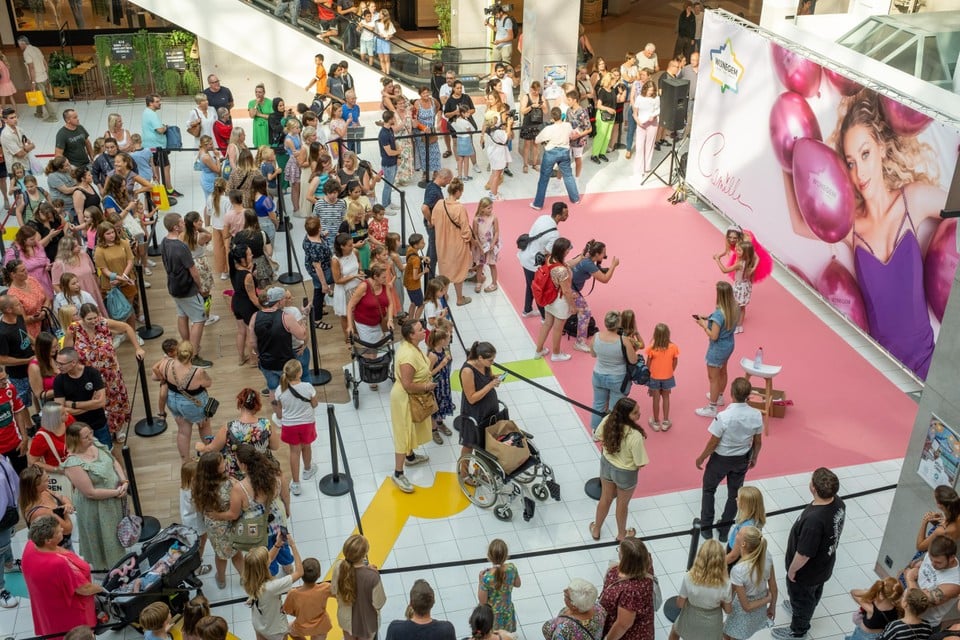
{"x":147,"y":271}
{"x":151,"y":263}
{"x":560,"y":357}
{"x":118,"y":340}
{"x":403,"y":483}
{"x":541,"y":353}
{"x":309,"y":472}
{"x":530,"y":314}
{"x":738,"y":329}
{"x":224,"y":276}
{"x":212,"y":320}
{"x":720,"y":400}
{"x":146,"y":285}
{"x":139,"y":341}
{"x":418,"y":458}
{"x":581,"y":346}
{"x":708,"y":411}
{"x":295,"y":488}
{"x":8,"y":600}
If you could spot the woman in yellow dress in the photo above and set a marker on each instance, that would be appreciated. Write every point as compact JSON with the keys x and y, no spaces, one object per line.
{"x":412,"y":372}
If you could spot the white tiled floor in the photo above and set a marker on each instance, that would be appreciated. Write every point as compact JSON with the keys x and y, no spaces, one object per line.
{"x":321,"y":523}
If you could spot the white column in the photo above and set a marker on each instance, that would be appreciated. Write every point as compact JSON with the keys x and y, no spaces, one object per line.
{"x":466,"y":24}
{"x":550,"y":33}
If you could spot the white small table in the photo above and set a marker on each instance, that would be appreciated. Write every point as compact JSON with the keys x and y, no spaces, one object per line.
{"x":767,"y":372}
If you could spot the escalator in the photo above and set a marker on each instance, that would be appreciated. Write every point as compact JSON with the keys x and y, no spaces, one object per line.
{"x":270,"y":42}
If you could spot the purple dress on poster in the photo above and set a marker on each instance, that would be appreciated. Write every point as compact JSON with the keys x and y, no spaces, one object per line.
{"x":895,"y":300}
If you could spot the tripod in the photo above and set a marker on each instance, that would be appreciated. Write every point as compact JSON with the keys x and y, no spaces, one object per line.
{"x":674,"y":157}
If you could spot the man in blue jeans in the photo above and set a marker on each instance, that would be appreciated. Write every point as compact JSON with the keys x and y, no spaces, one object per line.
{"x":556,"y":136}
{"x":389,"y":152}
{"x":8,"y":500}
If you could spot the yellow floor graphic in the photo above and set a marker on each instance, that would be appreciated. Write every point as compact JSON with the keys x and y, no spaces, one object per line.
{"x":527,"y":368}
{"x":384,"y":519}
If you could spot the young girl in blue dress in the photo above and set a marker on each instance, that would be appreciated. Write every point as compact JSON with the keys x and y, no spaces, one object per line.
{"x":438,"y":344}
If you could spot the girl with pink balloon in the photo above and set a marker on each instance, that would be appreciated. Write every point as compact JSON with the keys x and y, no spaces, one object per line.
{"x":873,"y":201}
{"x":744,"y":268}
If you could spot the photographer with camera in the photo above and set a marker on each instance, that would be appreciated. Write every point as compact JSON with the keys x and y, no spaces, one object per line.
{"x":534,"y":246}
{"x":594,"y":253}
{"x":504,"y":31}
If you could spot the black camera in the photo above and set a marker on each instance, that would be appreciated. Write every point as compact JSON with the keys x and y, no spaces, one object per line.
{"x":497,"y":8}
{"x":513,"y":114}
{"x":590,"y":248}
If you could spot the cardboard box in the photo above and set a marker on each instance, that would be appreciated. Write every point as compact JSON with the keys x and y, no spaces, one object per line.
{"x":777,"y":410}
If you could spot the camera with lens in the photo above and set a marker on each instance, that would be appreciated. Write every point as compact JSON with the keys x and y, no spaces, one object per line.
{"x":513,"y":114}
{"x":497,"y":8}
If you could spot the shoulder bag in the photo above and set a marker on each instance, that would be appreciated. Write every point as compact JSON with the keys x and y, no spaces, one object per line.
{"x":657,"y":596}
{"x":118,"y":307}
{"x":524,"y":239}
{"x":423,"y":404}
{"x":193,"y":127}
{"x":249,"y":531}
{"x":639,"y":372}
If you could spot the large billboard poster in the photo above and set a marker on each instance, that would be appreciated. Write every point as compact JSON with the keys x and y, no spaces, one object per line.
{"x":843,"y":184}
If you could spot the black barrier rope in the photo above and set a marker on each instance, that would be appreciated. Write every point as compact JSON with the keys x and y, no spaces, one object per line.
{"x":515,"y":556}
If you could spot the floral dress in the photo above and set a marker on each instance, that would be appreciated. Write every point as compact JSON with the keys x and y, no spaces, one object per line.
{"x":378,"y":229}
{"x":442,"y":391}
{"x":255,"y":433}
{"x":219,"y":530}
{"x":488,"y":251}
{"x":97,"y":351}
{"x":501,"y":600}
{"x":427,"y":117}
{"x":405,"y":167}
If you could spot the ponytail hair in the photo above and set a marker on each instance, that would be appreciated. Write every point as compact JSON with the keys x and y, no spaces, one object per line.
{"x":754,"y":552}
{"x":481,"y":621}
{"x":497,"y":553}
{"x":481,"y":350}
{"x":249,"y":399}
{"x":292,"y":370}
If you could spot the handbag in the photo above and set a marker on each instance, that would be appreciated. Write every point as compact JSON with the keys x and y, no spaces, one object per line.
{"x":129,"y":527}
{"x":35,"y":98}
{"x":606,"y":116}
{"x":249,"y":531}
{"x":524,"y":239}
{"x":118,"y":307}
{"x":193,"y":128}
{"x":638,"y":373}
{"x":174,"y":137}
{"x":657,"y":595}
{"x":209,"y":407}
{"x":422,"y":405}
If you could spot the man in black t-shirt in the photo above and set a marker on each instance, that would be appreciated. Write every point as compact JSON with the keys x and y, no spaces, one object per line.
{"x":218,"y":95}
{"x":420,"y":626}
{"x":82,"y":394}
{"x":73,"y":141}
{"x":16,"y":348}
{"x":812,"y":552}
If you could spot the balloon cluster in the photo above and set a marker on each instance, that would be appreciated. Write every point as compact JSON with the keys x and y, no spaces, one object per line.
{"x":824,"y":193}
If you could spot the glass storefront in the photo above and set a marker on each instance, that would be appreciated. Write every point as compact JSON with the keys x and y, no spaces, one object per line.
{"x":34,"y":16}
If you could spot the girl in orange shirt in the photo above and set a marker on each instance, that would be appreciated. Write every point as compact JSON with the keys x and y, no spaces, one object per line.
{"x":662,"y":356}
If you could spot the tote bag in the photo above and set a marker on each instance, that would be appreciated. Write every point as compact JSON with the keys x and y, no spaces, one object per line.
{"x":57,"y":483}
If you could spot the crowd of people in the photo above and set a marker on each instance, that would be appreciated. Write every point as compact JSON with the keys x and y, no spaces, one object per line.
{"x":75,"y":274}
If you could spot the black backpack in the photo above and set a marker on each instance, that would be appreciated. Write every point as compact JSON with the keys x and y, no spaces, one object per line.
{"x":570,"y":327}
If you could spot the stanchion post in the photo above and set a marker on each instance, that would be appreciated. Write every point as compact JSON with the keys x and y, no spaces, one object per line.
{"x":281,"y":207}
{"x":153,"y":250}
{"x":290,"y":277}
{"x":151,"y":526}
{"x":147,"y":331}
{"x":670,"y":608}
{"x":150,"y":425}
{"x":336,"y":483}
{"x":427,"y":176}
{"x":593,"y":488}
{"x":318,"y":376}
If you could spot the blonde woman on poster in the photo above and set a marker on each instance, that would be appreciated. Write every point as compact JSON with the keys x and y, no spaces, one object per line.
{"x":893,"y":197}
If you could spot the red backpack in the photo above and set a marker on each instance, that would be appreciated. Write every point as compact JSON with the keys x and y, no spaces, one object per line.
{"x":544,"y":289}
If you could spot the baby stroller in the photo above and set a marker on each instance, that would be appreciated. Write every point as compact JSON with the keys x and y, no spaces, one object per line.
{"x":374,"y":360}
{"x":503,"y":465}
{"x":163,"y":571}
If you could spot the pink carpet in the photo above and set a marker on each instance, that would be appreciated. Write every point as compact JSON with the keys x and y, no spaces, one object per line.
{"x":844,"y":412}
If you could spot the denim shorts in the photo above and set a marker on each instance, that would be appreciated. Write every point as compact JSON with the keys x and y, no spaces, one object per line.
{"x":662,"y":385}
{"x":368,"y":47}
{"x":625,"y":480}
{"x":719,"y":352}
{"x":182,"y":407}
{"x":272,"y":378}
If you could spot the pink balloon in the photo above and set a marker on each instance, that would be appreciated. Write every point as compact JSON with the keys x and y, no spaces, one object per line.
{"x":940,"y":265}
{"x":825,"y":195}
{"x":791,"y":119}
{"x":844,"y":85}
{"x":840,"y":288}
{"x":902,"y":119}
{"x":800,"y":274}
{"x":796,"y":72}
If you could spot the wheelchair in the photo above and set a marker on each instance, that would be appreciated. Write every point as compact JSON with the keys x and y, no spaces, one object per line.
{"x":487,"y":485}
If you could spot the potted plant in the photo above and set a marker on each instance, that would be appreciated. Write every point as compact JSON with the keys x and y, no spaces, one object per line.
{"x":58,"y":70}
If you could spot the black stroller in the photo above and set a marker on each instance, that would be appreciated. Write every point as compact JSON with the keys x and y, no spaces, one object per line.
{"x":370,"y":362}
{"x":163,"y":571}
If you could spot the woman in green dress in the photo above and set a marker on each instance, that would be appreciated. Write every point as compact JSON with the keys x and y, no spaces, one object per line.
{"x":260,"y":109}
{"x":99,"y":487}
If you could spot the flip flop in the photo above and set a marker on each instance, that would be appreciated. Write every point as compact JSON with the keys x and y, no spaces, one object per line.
{"x":592,"y":534}
{"x":204,"y":569}
{"x":491,"y":288}
{"x":630,"y":533}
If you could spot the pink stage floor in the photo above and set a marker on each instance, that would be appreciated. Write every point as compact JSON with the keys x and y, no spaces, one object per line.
{"x":844,"y":413}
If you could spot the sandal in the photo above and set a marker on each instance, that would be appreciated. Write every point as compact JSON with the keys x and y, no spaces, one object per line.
{"x":447,"y":154}
{"x":526,"y":169}
{"x":204,"y":569}
{"x":595,"y":536}
{"x":478,"y":288}
{"x":464,"y":301}
{"x":162,"y":416}
{"x":322,"y":325}
{"x":491,"y":288}
{"x":630,"y":533}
